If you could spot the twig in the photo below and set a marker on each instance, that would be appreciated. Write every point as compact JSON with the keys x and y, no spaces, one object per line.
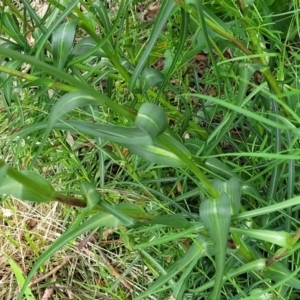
{"x":125,"y":283}
{"x":49,"y":290}
{"x":53,"y":271}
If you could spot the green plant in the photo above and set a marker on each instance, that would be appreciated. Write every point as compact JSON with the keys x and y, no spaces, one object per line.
{"x":218,"y":168}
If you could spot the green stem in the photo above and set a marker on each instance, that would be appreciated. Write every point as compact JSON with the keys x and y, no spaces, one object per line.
{"x":191,"y":165}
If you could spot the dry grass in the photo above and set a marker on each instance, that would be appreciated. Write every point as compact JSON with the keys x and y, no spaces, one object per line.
{"x":92,"y":267}
{"x":83,"y":270}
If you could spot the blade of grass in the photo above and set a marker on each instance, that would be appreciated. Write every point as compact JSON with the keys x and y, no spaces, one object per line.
{"x":164,"y":13}
{"x":99,"y":220}
{"x":20,"y":278}
{"x":62,"y":43}
{"x":215,"y":215}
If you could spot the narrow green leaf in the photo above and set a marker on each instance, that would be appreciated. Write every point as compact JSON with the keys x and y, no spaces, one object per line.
{"x":12,"y":187}
{"x":213,"y":18}
{"x":118,"y":213}
{"x":94,"y":47}
{"x":246,"y":71}
{"x":42,"y":81}
{"x":89,"y":20}
{"x":251,"y":190}
{"x":162,"y":17}
{"x":29,"y":182}
{"x":134,"y":139}
{"x":256,"y":265}
{"x":101,"y":219}
{"x":54,"y":20}
{"x":175,"y":220}
{"x":215,"y":215}
{"x":134,"y":211}
{"x":170,"y":63}
{"x":219,"y":168}
{"x":101,"y":98}
{"x":3,"y":169}
{"x":206,"y":247}
{"x":200,"y":10}
{"x":107,"y":132}
{"x":12,"y":25}
{"x":190,"y":259}
{"x":62,"y":42}
{"x":183,"y":154}
{"x":101,"y":10}
{"x":241,"y":111}
{"x":30,"y":10}
{"x":267,"y":209}
{"x":67,"y":103}
{"x":19,"y":276}
{"x":8,"y":81}
{"x":278,"y":271}
{"x":280,"y":238}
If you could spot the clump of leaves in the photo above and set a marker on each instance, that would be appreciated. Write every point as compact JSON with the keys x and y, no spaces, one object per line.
{"x":214,"y":149}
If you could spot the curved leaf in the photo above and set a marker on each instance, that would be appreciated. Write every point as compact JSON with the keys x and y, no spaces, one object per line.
{"x":66,"y":103}
{"x":159,"y":154}
{"x":107,"y":132}
{"x":11,"y":186}
{"x":152,"y":119}
{"x":13,"y":29}
{"x":162,"y":17}
{"x":8,"y":81}
{"x":62,"y":42}
{"x":215,"y":215}
{"x":150,"y":77}
{"x":170,"y":66}
{"x":156,"y":155}
{"x":232,"y":188}
{"x":87,"y":45}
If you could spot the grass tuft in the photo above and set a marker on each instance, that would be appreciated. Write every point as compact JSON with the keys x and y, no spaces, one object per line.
{"x":149,"y":149}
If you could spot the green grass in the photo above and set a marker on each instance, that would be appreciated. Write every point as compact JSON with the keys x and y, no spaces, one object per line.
{"x":149,"y":150}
